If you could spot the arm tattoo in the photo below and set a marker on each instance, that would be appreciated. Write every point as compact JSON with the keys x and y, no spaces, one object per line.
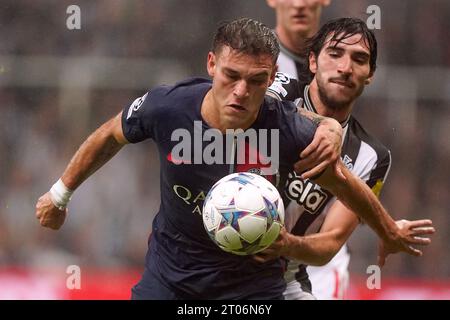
{"x":314,"y":117}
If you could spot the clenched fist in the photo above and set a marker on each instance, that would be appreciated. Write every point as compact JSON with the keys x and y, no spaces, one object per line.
{"x":48,"y":214}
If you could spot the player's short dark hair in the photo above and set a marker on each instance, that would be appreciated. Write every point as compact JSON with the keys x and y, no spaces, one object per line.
{"x":246,"y":36}
{"x":340,"y":30}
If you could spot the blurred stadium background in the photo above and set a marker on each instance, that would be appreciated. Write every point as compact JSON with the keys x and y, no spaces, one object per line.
{"x":57,"y":85}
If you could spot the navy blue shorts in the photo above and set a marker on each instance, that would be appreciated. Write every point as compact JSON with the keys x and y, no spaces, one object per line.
{"x":150,"y":288}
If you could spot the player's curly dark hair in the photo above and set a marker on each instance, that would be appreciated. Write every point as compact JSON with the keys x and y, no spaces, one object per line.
{"x":340,"y":30}
{"x":247,"y":36}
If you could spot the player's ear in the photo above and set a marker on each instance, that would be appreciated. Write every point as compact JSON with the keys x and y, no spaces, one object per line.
{"x":274,"y":73}
{"x":211,"y":63}
{"x":325,"y":3}
{"x":369,"y":79}
{"x":271,"y":3}
{"x":312,"y":62}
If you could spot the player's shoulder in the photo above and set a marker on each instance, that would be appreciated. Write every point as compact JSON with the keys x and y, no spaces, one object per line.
{"x":295,"y":127}
{"x":161,"y":107}
{"x":356,"y":129}
{"x":284,"y":87}
{"x":286,"y":110}
{"x":184,"y":95}
{"x":187,"y":87}
{"x":194,"y":83}
{"x":284,"y":107}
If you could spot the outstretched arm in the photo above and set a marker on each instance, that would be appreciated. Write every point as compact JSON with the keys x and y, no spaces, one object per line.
{"x":358,"y":197}
{"x":98,"y":149}
{"x":319,"y":248}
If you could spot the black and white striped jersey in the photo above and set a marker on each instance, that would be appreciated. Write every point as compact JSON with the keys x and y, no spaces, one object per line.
{"x":362,"y":154}
{"x":306,"y":202}
{"x":293,"y":65}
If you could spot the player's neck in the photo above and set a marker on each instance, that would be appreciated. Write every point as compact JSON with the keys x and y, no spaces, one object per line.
{"x":294,"y":42}
{"x":340,"y":114}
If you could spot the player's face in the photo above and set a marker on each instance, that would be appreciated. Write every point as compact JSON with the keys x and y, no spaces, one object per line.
{"x":342,"y":71}
{"x":240,"y":82}
{"x":299,"y":17}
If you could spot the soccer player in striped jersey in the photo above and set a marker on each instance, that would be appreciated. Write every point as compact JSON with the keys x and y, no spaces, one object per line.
{"x":296,"y":21}
{"x":342,"y":61}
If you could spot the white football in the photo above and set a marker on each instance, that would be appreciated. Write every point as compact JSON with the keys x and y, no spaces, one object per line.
{"x":243,"y":213}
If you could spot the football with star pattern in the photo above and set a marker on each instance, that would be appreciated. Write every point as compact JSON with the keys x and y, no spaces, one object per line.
{"x":243,"y":213}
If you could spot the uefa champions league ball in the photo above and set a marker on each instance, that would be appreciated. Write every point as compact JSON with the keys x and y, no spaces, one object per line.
{"x":243,"y":213}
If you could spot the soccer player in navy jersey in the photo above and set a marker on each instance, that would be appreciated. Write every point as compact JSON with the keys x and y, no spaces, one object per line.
{"x":182,"y":262}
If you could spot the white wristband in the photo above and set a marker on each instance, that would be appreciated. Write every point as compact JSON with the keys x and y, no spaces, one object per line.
{"x":60,"y":194}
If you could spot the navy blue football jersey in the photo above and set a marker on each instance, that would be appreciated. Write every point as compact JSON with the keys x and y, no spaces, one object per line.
{"x":181,"y":256}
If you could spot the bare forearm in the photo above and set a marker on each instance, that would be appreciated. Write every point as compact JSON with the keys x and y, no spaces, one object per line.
{"x":316,"y":249}
{"x":314,"y":117}
{"x":321,"y":120}
{"x":98,"y":149}
{"x":357,"y":196}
